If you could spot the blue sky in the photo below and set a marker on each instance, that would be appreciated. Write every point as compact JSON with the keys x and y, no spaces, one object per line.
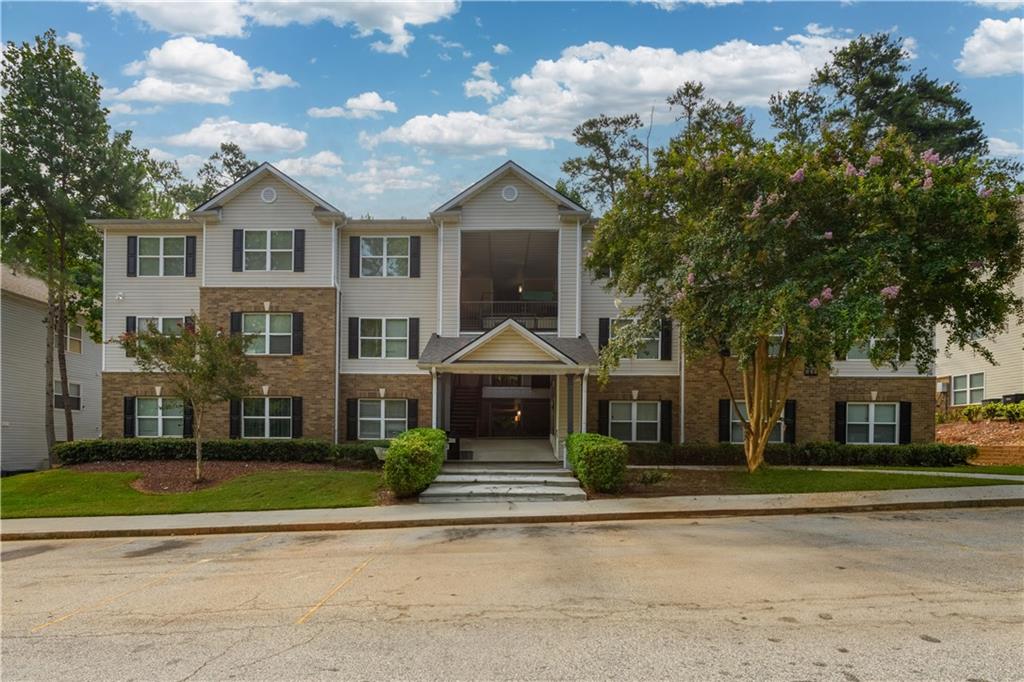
{"x":389,"y":109}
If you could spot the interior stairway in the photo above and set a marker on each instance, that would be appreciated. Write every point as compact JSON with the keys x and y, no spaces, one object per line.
{"x":466,"y":411}
{"x":504,"y":482}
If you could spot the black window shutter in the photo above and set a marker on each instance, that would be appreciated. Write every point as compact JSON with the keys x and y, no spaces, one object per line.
{"x":130,"y":327}
{"x":299,"y":245}
{"x":414,"y":256}
{"x":412,"y":413}
{"x":190,"y":324}
{"x":414,"y":338}
{"x":666,"y":421}
{"x":353,"y":337}
{"x":602,"y":332}
{"x":352,"y":418}
{"x":129,"y":416}
{"x":297,"y":334}
{"x":602,"y":417}
{"x":236,"y":323}
{"x":666,"y":339}
{"x":904,"y":422}
{"x":133,"y":256}
{"x":789,"y":416}
{"x":723,"y":350}
{"x":840,"y":427}
{"x":296,"y":416}
{"x":235,"y":419}
{"x":186,"y":421}
{"x":190,"y":256}
{"x":724,"y":422}
{"x":353,"y":256}
{"x":236,"y":250}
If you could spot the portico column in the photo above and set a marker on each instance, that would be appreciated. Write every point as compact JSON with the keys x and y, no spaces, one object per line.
{"x":570,"y":379}
{"x":583,"y":402}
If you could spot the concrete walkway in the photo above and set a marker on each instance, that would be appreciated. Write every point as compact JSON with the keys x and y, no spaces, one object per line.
{"x":910,"y":472}
{"x":417,"y":515}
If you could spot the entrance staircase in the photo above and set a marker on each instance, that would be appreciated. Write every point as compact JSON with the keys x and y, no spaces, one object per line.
{"x":503,"y":482}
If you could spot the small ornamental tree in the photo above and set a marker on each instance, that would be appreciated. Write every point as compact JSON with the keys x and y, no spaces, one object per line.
{"x":202,"y":365}
{"x":777,"y":256}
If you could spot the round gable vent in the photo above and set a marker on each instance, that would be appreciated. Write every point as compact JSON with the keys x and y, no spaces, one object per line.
{"x":268,"y":195}
{"x":509,"y":193}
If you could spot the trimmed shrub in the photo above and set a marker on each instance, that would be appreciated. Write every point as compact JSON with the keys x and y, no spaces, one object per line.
{"x":359,"y":452}
{"x":413,"y":461}
{"x":1013,"y":412}
{"x":598,"y":461}
{"x":805,"y":454}
{"x":276,"y":450}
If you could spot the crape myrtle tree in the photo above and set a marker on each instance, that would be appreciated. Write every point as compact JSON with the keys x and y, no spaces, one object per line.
{"x":775,"y":256}
{"x":201,"y":365}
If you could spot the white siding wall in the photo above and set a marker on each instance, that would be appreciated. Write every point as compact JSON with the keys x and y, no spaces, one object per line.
{"x":142,"y":296}
{"x":24,"y":392}
{"x":864,"y":368}
{"x":530,"y":211}
{"x":568,"y":284}
{"x":451,"y":254}
{"x":388,"y":297}
{"x":291,"y":210}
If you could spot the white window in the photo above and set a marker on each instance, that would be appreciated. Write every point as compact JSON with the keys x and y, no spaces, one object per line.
{"x":383,"y":337}
{"x":159,"y":417}
{"x":73,"y":340}
{"x":736,"y":424}
{"x":75,"y":391}
{"x":267,"y":418}
{"x":161,"y":257}
{"x":651,"y":348}
{"x":635,"y":422}
{"x":775,"y":343}
{"x":968,"y":388}
{"x":266,"y":250}
{"x":872,"y":422}
{"x":384,"y":256}
{"x":169,"y":326}
{"x":271,"y":333}
{"x":380,"y":419}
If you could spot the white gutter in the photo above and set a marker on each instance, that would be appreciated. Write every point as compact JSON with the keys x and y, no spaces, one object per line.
{"x":204,"y":253}
{"x":337,"y":322}
{"x":103,"y":312}
{"x":440,"y":278}
{"x":579,"y":271}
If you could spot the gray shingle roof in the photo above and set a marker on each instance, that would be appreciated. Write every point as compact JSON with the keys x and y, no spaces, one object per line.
{"x":440,"y":348}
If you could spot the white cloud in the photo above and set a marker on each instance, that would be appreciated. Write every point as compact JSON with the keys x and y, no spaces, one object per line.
{"x":77,"y":44}
{"x":995,"y":48}
{"x":1005,"y":5}
{"x":366,"y":105}
{"x":187,"y":18}
{"x":669,"y":5}
{"x":444,"y":42}
{"x":320,"y":165}
{"x":483,"y":84}
{"x":188,"y":70}
{"x":188,"y":163}
{"x":122,"y":109}
{"x":389,"y":174}
{"x":777,"y":28}
{"x":250,"y":136}
{"x":556,"y":95}
{"x":501,"y":48}
{"x":1000,"y":147}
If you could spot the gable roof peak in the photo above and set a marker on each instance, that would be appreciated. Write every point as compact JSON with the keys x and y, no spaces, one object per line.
{"x":564,"y":203}
{"x":229,"y":192}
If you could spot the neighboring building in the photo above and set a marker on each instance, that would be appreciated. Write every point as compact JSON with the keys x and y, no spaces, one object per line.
{"x":22,"y":415}
{"x":478,"y":318}
{"x":966,"y":378}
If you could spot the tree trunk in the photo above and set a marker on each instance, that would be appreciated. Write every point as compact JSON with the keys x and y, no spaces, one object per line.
{"x":62,"y":363}
{"x":197,"y":434}
{"x":51,"y":437}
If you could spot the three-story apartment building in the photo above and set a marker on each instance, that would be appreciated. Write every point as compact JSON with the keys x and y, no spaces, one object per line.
{"x":479,"y":319}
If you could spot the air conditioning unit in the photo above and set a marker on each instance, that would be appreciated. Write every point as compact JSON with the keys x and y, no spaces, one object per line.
{"x":942,"y":387}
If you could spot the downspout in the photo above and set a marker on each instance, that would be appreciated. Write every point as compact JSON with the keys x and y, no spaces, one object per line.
{"x":103,"y":314}
{"x":682,"y":391}
{"x":337,"y":323}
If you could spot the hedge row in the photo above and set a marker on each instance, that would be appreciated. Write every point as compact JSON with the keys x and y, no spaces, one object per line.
{"x":276,"y":450}
{"x":414,"y":460}
{"x":805,"y":454}
{"x":599,"y":462}
{"x":1012,"y":412}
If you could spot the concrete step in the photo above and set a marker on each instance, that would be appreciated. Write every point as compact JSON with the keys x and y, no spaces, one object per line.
{"x":440,"y":493}
{"x":511,"y":478}
{"x":531,"y":469}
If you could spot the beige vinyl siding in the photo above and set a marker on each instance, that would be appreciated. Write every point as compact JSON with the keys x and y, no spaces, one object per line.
{"x":508,"y":346}
{"x":597,"y":302}
{"x":864,"y":368}
{"x":531,"y":210}
{"x":291,"y":210}
{"x":388,"y":296}
{"x":451,"y":246}
{"x":142,"y":296}
{"x":562,"y":410}
{"x":568,"y":271}
{"x":24,"y":391}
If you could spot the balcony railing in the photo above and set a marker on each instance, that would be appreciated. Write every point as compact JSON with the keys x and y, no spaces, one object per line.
{"x":482,"y":316}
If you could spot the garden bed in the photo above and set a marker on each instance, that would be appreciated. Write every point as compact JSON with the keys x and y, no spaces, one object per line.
{"x":981,"y":433}
{"x":178,"y":476}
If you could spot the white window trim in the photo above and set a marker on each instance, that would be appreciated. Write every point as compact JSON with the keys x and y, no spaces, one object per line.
{"x":633,"y":420}
{"x":648,"y":339}
{"x":384,"y":339}
{"x":266,"y":418}
{"x":871,"y":423}
{"x":267,"y":250}
{"x":381,"y":419}
{"x":159,"y":321}
{"x":68,"y":338}
{"x":160,"y":418}
{"x":734,"y":418}
{"x":967,"y":389}
{"x":162,"y":257}
{"x":58,"y":394}
{"x":267,"y":334}
{"x":384,"y":255}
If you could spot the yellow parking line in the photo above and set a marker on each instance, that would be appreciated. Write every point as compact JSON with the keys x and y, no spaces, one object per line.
{"x":313,"y":609}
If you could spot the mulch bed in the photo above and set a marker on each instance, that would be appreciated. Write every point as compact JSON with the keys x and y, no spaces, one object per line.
{"x":981,"y":433}
{"x":178,"y":476}
{"x":688,"y":482}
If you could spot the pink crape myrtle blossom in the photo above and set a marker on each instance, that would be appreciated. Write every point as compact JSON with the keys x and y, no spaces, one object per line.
{"x":985,"y":192}
{"x":691,"y":278}
{"x":814,"y":303}
{"x":797,"y":177}
{"x":826,"y":294}
{"x":931,"y":157}
{"x":828,"y":235}
{"x":792,"y":218}
{"x":875,"y":160}
{"x":850,"y":170}
{"x":927,"y":184}
{"x":890,"y":292}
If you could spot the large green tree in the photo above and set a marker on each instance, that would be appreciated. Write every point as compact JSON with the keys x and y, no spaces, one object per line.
{"x":613,"y":150}
{"x":778,"y":255}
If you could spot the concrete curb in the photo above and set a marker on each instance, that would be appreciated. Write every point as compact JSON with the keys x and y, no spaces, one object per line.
{"x":514,"y":519}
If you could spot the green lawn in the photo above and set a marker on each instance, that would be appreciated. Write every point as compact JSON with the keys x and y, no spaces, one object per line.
{"x":962,"y":469}
{"x":62,"y":492}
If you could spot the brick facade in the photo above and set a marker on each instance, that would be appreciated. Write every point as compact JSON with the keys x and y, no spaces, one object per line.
{"x":407,"y":386}
{"x":919,"y":391}
{"x":622,"y":387}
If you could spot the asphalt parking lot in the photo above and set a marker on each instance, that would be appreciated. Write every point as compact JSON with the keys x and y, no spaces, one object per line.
{"x":925,"y":595}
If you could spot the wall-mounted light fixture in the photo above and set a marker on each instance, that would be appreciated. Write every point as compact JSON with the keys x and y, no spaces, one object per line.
{"x":157,"y":389}
{"x":874,"y":396}
{"x":266,"y":306}
{"x":636,"y":394}
{"x":266,"y":389}
{"x":381,"y":391}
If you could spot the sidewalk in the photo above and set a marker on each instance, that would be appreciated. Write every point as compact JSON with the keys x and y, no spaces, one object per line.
{"x":465,"y":514}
